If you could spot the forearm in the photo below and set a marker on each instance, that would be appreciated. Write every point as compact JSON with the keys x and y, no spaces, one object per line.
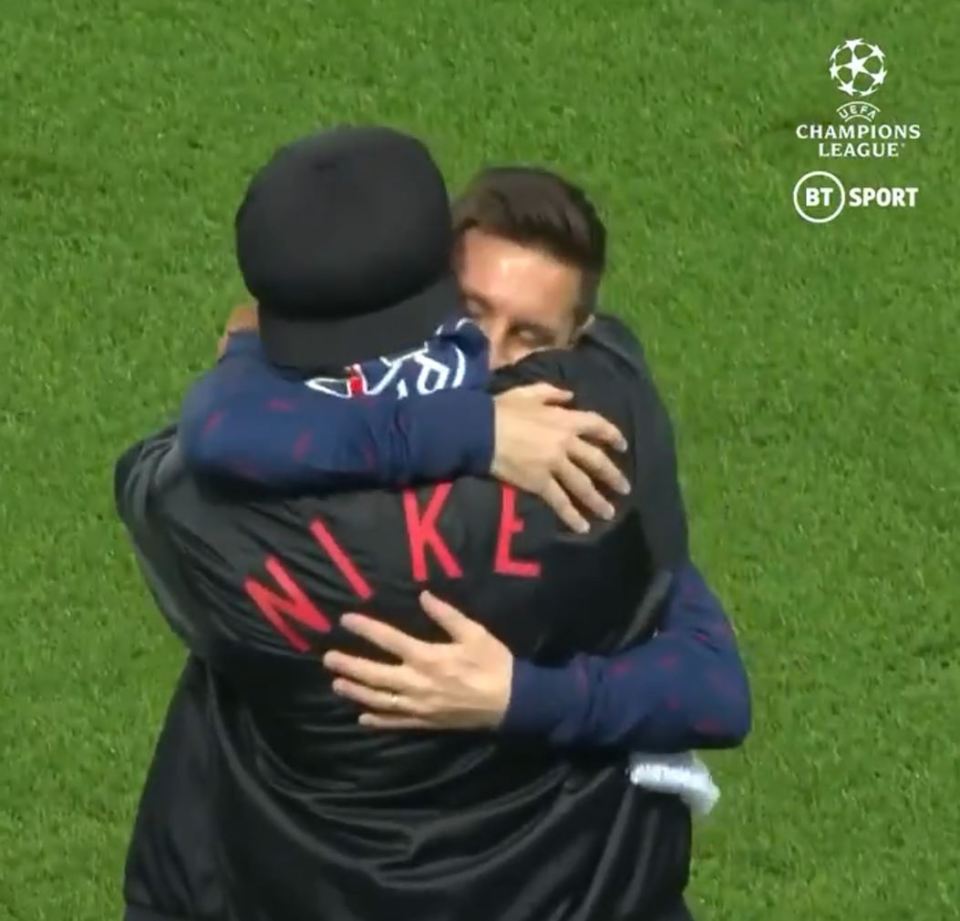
{"x":433,"y":438}
{"x":383,"y":444}
{"x":685,"y":688}
{"x":243,"y":422}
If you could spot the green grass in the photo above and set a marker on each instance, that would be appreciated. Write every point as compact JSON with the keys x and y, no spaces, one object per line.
{"x":812,"y":373}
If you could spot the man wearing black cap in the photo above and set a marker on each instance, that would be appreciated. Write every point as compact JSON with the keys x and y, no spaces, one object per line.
{"x":311,"y":816}
{"x":362,"y":218}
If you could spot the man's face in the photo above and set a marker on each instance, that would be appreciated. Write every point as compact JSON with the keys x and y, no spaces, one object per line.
{"x":523,"y":299}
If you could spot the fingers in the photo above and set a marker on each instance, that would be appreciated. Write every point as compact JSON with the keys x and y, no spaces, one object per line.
{"x":595,"y":462}
{"x":381,"y":721}
{"x":388,"y":638}
{"x":593,"y":426}
{"x":455,"y":622}
{"x":366,"y":671}
{"x":546,"y":394}
{"x":579,"y":485}
{"x":374,"y":698}
{"x":557,"y":498}
{"x":243,"y":317}
{"x":575,"y":481}
{"x":554,"y":396}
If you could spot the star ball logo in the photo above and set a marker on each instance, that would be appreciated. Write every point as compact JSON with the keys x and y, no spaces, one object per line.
{"x":858,"y":68}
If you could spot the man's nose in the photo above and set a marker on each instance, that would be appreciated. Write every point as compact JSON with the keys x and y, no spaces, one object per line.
{"x":498,"y":351}
{"x":496,"y":336}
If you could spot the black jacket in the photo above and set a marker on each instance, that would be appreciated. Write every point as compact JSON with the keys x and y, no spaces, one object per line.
{"x":267,"y":802}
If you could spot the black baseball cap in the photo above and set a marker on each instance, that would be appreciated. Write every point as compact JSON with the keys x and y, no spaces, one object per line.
{"x":345,"y":238}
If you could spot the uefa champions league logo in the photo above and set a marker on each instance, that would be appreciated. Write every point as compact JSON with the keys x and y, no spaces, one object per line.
{"x":858,"y":69}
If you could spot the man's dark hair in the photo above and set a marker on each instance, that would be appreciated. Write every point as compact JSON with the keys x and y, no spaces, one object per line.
{"x":537,"y":208}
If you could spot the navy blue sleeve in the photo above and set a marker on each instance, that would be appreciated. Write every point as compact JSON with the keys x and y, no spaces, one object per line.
{"x":683,"y":689}
{"x":244,"y":420}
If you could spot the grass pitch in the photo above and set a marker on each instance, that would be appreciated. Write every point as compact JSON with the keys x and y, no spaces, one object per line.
{"x":811,"y":371}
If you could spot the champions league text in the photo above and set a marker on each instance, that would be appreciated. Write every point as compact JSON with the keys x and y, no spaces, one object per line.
{"x":858,"y":140}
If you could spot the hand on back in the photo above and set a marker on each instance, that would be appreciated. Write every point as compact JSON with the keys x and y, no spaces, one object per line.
{"x":557,"y":453}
